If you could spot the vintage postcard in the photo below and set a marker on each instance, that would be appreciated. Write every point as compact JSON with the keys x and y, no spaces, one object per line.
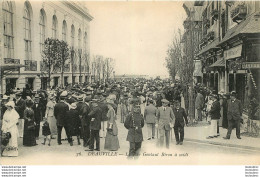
{"x":130,"y":82}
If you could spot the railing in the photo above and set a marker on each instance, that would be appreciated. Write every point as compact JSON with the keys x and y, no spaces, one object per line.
{"x":211,"y":35}
{"x":11,"y":61}
{"x":67,"y":68}
{"x":214,"y":14}
{"x":206,"y":23}
{"x":239,"y":12}
{"x":30,"y":65}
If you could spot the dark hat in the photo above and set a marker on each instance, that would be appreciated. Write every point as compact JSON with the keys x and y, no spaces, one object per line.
{"x":233,"y":93}
{"x":80,"y":98}
{"x":104,"y":94}
{"x":87,"y":99}
{"x":19,"y":93}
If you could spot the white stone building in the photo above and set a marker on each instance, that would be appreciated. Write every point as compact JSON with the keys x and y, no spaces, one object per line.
{"x":24,"y":27}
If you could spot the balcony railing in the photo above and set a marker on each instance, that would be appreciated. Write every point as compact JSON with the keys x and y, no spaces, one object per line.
{"x":215,"y":14}
{"x":11,"y":61}
{"x":211,"y":35}
{"x":43,"y":66}
{"x":206,"y":23}
{"x":203,"y":42}
{"x":67,"y":68}
{"x":239,"y":12}
{"x":30,"y":65}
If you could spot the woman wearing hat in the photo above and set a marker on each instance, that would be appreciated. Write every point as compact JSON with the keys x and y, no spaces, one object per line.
{"x":29,"y":125}
{"x":50,"y":115}
{"x":74,"y":122}
{"x":111,"y":141}
{"x":10,"y":119}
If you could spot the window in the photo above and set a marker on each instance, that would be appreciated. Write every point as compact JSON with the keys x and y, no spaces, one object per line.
{"x":54,"y":27}
{"x":27,"y":32}
{"x":72,"y":35}
{"x":64,"y":31}
{"x":79,"y":38}
{"x":8,"y":30}
{"x":85,"y":42}
{"x":42,"y":29}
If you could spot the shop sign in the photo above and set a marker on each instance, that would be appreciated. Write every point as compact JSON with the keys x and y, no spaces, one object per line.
{"x":251,"y":65}
{"x":233,"y":52}
{"x":197,"y":68}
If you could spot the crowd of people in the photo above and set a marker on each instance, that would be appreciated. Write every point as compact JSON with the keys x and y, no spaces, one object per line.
{"x":89,"y":112}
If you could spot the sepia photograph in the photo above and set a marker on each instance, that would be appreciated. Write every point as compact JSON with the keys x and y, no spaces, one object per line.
{"x":130,"y":82}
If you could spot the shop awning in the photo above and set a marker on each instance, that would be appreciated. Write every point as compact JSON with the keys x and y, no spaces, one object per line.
{"x":251,"y":25}
{"x":218,"y":63}
{"x":212,"y":45}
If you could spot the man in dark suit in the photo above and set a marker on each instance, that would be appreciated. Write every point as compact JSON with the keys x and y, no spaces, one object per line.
{"x":60,"y":112}
{"x":234,"y":115}
{"x":37,"y":108}
{"x":134,"y":123}
{"x":180,"y":115}
{"x":95,"y":116}
{"x":84,"y":110}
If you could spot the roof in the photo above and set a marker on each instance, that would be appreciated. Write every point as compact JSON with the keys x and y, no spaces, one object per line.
{"x":250,"y":25}
{"x":210,"y":46}
{"x":218,"y":63}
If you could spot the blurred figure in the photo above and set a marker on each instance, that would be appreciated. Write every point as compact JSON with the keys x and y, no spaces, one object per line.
{"x":150,"y":113}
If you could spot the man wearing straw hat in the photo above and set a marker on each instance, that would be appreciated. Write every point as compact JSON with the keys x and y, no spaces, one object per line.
{"x":165,"y":122}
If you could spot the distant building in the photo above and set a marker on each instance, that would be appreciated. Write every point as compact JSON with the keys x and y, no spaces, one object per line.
{"x":24,"y":27}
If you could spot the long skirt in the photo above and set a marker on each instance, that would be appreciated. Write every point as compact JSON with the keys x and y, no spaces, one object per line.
{"x":11,"y":150}
{"x":52,"y":123}
{"x":111,"y":141}
{"x":28,"y":135}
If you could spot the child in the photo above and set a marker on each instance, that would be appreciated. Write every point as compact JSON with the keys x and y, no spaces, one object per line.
{"x":46,"y":132}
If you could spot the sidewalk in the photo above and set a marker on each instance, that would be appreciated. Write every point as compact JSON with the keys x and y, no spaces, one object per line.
{"x":199,"y":134}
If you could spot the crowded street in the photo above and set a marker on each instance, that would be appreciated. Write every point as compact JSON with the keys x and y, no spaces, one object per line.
{"x":174,"y":82}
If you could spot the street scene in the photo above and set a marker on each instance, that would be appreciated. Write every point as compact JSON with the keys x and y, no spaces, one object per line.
{"x":151,"y":83}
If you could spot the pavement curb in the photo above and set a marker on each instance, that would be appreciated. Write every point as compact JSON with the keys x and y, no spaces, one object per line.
{"x":224,"y":144}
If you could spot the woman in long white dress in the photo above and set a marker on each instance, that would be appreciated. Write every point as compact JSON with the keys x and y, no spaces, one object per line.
{"x":10,"y":120}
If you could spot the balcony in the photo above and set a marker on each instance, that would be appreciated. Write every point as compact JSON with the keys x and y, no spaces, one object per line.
{"x":186,"y":24}
{"x":30,"y":65}
{"x":215,"y":14}
{"x":43,"y":66}
{"x":206,"y":23}
{"x":203,"y":42}
{"x":11,"y":61}
{"x":211,"y":35}
{"x":239,"y":13}
{"x":67,"y":68}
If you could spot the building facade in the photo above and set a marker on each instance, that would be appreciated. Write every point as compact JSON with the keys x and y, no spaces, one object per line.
{"x":24,"y":27}
{"x":229,"y":52}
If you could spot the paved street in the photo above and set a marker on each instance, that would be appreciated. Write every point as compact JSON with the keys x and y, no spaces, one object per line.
{"x":189,"y":153}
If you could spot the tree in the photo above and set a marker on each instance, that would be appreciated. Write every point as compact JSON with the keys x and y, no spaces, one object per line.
{"x":109,"y":65}
{"x":55,"y":56}
{"x":63,"y":59}
{"x":49,"y":57}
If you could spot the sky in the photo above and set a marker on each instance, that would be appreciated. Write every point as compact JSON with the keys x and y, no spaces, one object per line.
{"x":135,"y":34}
